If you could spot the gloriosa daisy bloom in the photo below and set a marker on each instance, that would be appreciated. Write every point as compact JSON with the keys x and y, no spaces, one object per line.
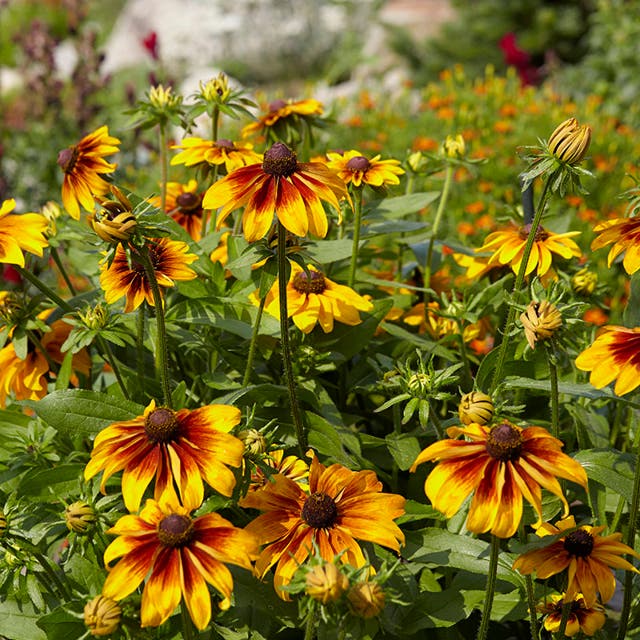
{"x":342,"y":506}
{"x":178,"y":555}
{"x":312,"y":298}
{"x":508,"y":248}
{"x":282,"y":187}
{"x":624,"y":234}
{"x":20,"y":233}
{"x":170,"y":260}
{"x":585,"y":554}
{"x":583,"y":619}
{"x":183,"y":202}
{"x":179,"y":449}
{"x":279,"y":112}
{"x":232,"y":155}
{"x":500,"y":465}
{"x":356,"y":169}
{"x":83,"y":165}
{"x":615,"y":355}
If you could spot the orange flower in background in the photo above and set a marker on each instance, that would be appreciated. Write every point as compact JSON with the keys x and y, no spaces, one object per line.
{"x":177,"y":556}
{"x":18,"y":233}
{"x":624,"y":234}
{"x":581,"y":618}
{"x":587,"y":556}
{"x":500,"y":466}
{"x":232,"y":155}
{"x":354,"y":168}
{"x":183,"y":203}
{"x":170,"y":260}
{"x":508,"y":248}
{"x":283,"y":110}
{"x":615,"y":355}
{"x":282,"y":187}
{"x":83,"y":166}
{"x":179,"y":449}
{"x":342,"y":506}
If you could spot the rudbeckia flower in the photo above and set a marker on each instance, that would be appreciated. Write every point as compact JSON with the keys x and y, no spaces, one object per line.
{"x":615,"y":355}
{"x":508,"y":248}
{"x":177,"y":448}
{"x":20,"y":233}
{"x":83,"y":165}
{"x":500,"y":465}
{"x":280,"y":112}
{"x":183,"y":203}
{"x":356,"y":169}
{"x":312,"y":298}
{"x":279,"y":186}
{"x":170,"y":260}
{"x":178,"y":555}
{"x":342,"y":506}
{"x":586,"y":555}
{"x":581,"y":618}
{"x":624,"y":234}
{"x":232,"y":154}
{"x":291,"y":467}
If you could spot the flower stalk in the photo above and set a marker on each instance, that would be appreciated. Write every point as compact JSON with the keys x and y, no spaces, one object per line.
{"x":253,"y":343}
{"x":357,"y":222}
{"x":490,"y":588}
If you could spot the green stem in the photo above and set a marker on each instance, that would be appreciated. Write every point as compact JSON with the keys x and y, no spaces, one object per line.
{"x":310,"y":627}
{"x":531,"y":599}
{"x":511,"y":316}
{"x":164,"y":166}
{"x":566,"y":610}
{"x":188,"y":632}
{"x":357,"y":222}
{"x":437,"y":425}
{"x":50,"y":293}
{"x":254,"y":341}
{"x":490,"y":589}
{"x":56,"y":258}
{"x":284,"y":336}
{"x":448,"y":179}
{"x":206,"y":213}
{"x":113,"y":363}
{"x":468,"y":376}
{"x":162,"y":354}
{"x":554,"y":394}
{"x":140,"y":345}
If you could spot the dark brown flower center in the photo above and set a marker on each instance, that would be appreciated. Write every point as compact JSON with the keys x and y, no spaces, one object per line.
{"x":504,"y":442}
{"x":279,"y":161}
{"x":175,"y":530}
{"x":223,"y":143}
{"x":319,"y":511}
{"x":161,"y":425}
{"x":541,"y":234}
{"x":276,"y":105}
{"x":309,"y":282}
{"x":579,"y":543}
{"x":359,"y":163}
{"x":188,"y":202}
{"x":67,"y":159}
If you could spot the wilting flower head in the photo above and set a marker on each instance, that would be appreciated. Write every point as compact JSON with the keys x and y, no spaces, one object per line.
{"x":232,"y":155}
{"x":454,"y":146}
{"x":587,"y":620}
{"x":326,"y":583}
{"x":356,"y":169}
{"x":115,"y":222}
{"x":366,"y":599}
{"x":102,"y":615}
{"x":475,"y":407}
{"x":280,"y":187}
{"x":170,"y":260}
{"x":540,"y":321}
{"x":499,"y":465}
{"x":285,"y":117}
{"x":615,"y":355}
{"x":312,"y":298}
{"x":624,"y":234}
{"x":83,"y":165}
{"x":570,"y":141}
{"x":342,"y":506}
{"x":178,"y":555}
{"x":584,"y":282}
{"x":508,"y":248}
{"x":20,"y":233}
{"x":179,"y":449}
{"x":586,"y":555}
{"x":80,"y":517}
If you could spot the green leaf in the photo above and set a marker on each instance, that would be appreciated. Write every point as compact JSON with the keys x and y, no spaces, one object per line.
{"x":326,"y":439}
{"x":399,"y":206}
{"x":570,"y":388}
{"x":75,"y":411}
{"x":329,"y":251}
{"x":612,"y":469}
{"x":61,"y":481}
{"x":415,"y":511}
{"x":19,"y":621}
{"x":62,"y":625}
{"x":404,"y":449}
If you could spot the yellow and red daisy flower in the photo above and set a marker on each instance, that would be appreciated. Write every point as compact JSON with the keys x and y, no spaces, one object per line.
{"x":183,"y":203}
{"x":170,"y":260}
{"x":508,"y":248}
{"x":291,"y":467}
{"x":615,"y":355}
{"x":83,"y":166}
{"x":624,"y":234}
{"x":232,"y":155}
{"x":587,"y":556}
{"x":356,"y":169}
{"x":436,"y":323}
{"x":280,"y":111}
{"x":500,"y":465}
{"x":587,"y":620}
{"x":179,"y":449}
{"x":312,"y":298}
{"x":20,"y":233}
{"x":282,"y":187}
{"x":342,"y":506}
{"x":178,"y":555}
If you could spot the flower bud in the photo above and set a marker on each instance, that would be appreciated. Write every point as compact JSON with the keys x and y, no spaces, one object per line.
{"x":80,"y":517}
{"x":254,"y":442}
{"x":454,"y":146}
{"x":570,"y":141}
{"x":366,"y":599}
{"x":95,"y":318}
{"x":3,"y":524}
{"x":475,"y":407}
{"x":540,"y":321}
{"x":215,"y":90}
{"x":419,"y":384}
{"x":102,"y":615}
{"x":584,"y":282}
{"x":326,"y":583}
{"x":116,"y":222}
{"x":162,"y":97}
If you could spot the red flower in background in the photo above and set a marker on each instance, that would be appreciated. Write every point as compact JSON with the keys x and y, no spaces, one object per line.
{"x":150,"y":43}
{"x":516,"y":57}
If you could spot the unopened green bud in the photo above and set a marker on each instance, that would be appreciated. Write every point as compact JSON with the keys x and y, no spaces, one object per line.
{"x":102,"y":615}
{"x":254,"y":442}
{"x":366,"y":599}
{"x":475,"y":407}
{"x":80,"y":517}
{"x":454,"y":146}
{"x":569,"y":142}
{"x":584,"y":282}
